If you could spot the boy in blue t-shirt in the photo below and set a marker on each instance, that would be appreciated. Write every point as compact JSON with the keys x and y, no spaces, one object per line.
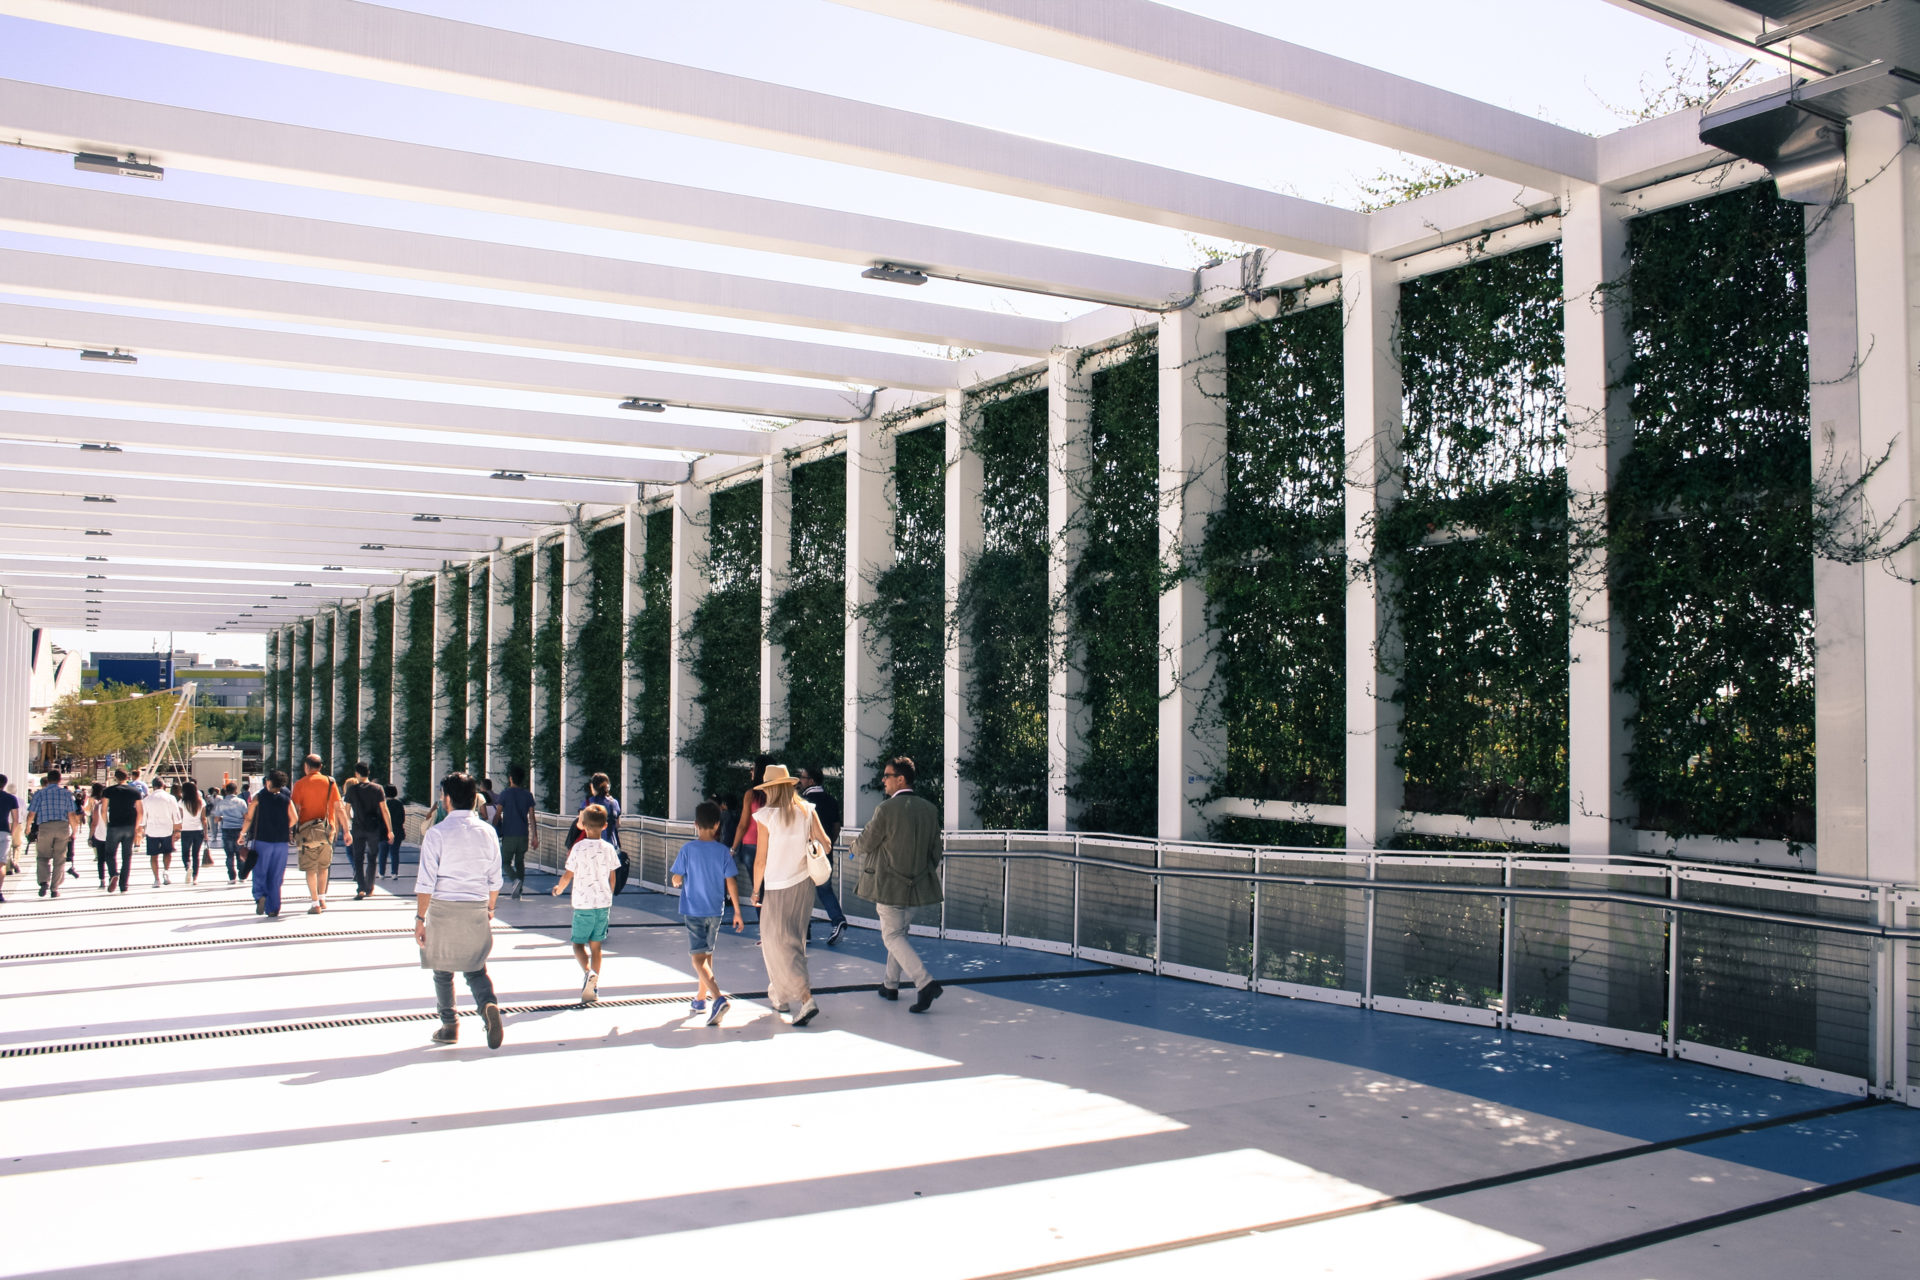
{"x":703,"y":872}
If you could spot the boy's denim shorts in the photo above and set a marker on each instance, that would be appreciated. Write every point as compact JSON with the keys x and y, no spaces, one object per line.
{"x":702,"y":933}
{"x":590,"y":926}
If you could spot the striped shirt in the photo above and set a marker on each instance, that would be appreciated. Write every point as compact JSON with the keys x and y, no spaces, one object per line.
{"x":51,"y":804}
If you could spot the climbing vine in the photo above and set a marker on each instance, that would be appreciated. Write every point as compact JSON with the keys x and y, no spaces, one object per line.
{"x":549,"y":645}
{"x":346,"y":659}
{"x":808,"y":619}
{"x":722,"y":645}
{"x":516,"y":665}
{"x":1712,"y":521}
{"x":1112,"y":603}
{"x":1273,"y":563}
{"x":478,"y":706}
{"x":377,"y":678}
{"x":1004,"y":613}
{"x":413,"y":691}
{"x":650,"y":651}
{"x":302,"y":688}
{"x":908,"y":613}
{"x":321,"y":709}
{"x":596,"y":671}
{"x":453,"y":671}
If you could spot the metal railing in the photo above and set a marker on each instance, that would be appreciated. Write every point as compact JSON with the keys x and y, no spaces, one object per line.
{"x":1813,"y":979}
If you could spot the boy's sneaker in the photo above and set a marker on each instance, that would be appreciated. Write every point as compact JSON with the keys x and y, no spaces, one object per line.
{"x":720,"y":1005}
{"x":698,"y":1007}
{"x":590,"y":990}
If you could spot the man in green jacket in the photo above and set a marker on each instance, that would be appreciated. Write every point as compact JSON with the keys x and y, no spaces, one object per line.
{"x":899,"y":853}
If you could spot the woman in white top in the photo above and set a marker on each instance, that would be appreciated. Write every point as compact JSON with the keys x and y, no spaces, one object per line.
{"x":783,"y":892}
{"x":193,"y":829}
{"x":163,"y":828}
{"x":97,"y":834}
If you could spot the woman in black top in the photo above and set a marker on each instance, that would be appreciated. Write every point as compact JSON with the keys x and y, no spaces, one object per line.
{"x":269,"y":822}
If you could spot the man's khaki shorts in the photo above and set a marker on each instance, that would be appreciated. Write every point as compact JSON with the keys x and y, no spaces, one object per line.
{"x":316,"y":850}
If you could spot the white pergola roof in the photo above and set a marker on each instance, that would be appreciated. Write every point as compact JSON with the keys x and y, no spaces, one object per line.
{"x":385,"y":354}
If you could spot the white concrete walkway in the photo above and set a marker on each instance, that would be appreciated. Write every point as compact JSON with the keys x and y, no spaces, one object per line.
{"x":192,"y":1091}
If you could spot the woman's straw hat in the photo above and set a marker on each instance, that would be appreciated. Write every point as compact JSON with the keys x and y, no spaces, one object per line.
{"x":777,"y":776}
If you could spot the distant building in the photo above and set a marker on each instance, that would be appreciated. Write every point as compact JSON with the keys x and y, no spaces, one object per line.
{"x":56,"y":673}
{"x":223,"y":682}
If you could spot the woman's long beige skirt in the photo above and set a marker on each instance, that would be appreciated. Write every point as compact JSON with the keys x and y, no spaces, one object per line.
{"x":783,"y":943}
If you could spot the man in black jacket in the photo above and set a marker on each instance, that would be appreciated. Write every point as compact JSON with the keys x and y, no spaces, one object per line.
{"x":814,"y":791}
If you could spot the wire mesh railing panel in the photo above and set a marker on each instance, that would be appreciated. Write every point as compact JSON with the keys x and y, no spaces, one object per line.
{"x":1771,"y":990}
{"x":1312,"y":935}
{"x":976,"y":896}
{"x":1433,"y":947}
{"x":1040,"y":891}
{"x":552,"y":853}
{"x":1207,"y":924}
{"x":1116,"y":907}
{"x":1602,"y":964}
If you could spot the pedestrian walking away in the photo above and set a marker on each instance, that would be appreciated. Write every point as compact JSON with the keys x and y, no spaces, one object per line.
{"x":457,"y":885}
{"x":160,"y":824}
{"x":56,"y":821}
{"x":397,"y":820}
{"x":899,"y":854}
{"x":124,"y":823}
{"x":193,"y":830}
{"x":517,"y":831}
{"x":229,"y":810}
{"x":139,"y":784}
{"x":319,"y":814}
{"x":97,"y":835}
{"x":372,"y":828}
{"x":704,"y":873}
{"x":783,"y":892}
{"x":593,"y":867}
{"x":600,"y":793}
{"x":9,"y":830}
{"x":746,"y":834}
{"x":813,"y":789}
{"x":267,"y":832}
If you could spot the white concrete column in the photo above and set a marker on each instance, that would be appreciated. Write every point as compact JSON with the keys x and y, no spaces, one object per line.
{"x":1192,"y":350}
{"x":963,"y":535}
{"x":441,"y":754}
{"x":692,"y":509}
{"x":1884,"y":174}
{"x":1370,"y":299}
{"x":478,"y":593}
{"x":398,"y":765}
{"x":633,"y":563}
{"x":776,"y":554}
{"x":1599,"y":435}
{"x":337,"y":741}
{"x":866,"y":721}
{"x":575,"y":588}
{"x":499,"y":629}
{"x":1069,"y":407}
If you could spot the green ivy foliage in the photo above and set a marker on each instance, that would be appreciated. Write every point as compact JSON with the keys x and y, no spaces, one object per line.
{"x":475,"y":731}
{"x":722,"y":645}
{"x":413,"y":677}
{"x":597,"y":669}
{"x":346,"y":656}
{"x":548,"y":664}
{"x":516,"y":665}
{"x":1274,"y":567}
{"x":1712,"y":527}
{"x":650,"y":650}
{"x":1004,"y":614}
{"x":809,"y":619}
{"x":302,"y":687}
{"x":451,"y":666}
{"x":909,"y":614}
{"x":323,"y":690}
{"x":1113,"y":599}
{"x":1474,"y":554}
{"x":270,"y":708}
{"x":377,"y":733}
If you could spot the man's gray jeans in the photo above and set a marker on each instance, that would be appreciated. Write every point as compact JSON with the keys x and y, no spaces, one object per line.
{"x":901,"y":957}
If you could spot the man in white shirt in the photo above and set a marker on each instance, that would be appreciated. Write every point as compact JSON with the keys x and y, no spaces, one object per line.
{"x":457,"y":883}
{"x":161,"y":814}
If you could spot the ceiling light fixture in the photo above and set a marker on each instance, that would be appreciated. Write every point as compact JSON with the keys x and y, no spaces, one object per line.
{"x":94,"y":162}
{"x":303,"y":584}
{"x":427,"y":519}
{"x":509,"y":475}
{"x":333,"y":568}
{"x":97,"y":497}
{"x":637,"y":405}
{"x":115,"y":356}
{"x":370,"y":546}
{"x":90,"y":447}
{"x":96,"y":557}
{"x":99,"y":533}
{"x":894,"y":273}
{"x":100,"y":576}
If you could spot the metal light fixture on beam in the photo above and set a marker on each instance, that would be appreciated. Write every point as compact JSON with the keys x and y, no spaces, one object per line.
{"x":99,"y":533}
{"x":88,"y":446}
{"x":115,"y":356}
{"x":97,"y":497}
{"x":635,"y":404}
{"x":509,"y":475}
{"x":900,"y":273}
{"x":129,"y":167}
{"x":894,"y":273}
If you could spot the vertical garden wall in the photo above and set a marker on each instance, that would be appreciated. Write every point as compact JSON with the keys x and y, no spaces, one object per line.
{"x":1274,"y":565}
{"x":909,"y":614}
{"x":1712,"y":521}
{"x":346,"y":659}
{"x":323,"y":693}
{"x":650,"y":651}
{"x":808,"y":619}
{"x":1004,"y":614}
{"x":1113,"y":599}
{"x":452,"y":662}
{"x":516,"y":666}
{"x":474,"y":730}
{"x":413,"y":690}
{"x":594,"y":668}
{"x":549,"y":644}
{"x":302,"y":701}
{"x":377,"y":678}
{"x":723,"y":645}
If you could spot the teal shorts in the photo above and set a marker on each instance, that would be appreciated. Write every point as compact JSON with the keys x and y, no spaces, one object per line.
{"x":590,"y":926}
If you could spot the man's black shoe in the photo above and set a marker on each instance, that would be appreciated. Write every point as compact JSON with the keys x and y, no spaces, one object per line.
{"x":887,"y":993}
{"x":495,"y":1031}
{"x":447,"y":1034}
{"x":928,"y":994}
{"x":839,"y":928}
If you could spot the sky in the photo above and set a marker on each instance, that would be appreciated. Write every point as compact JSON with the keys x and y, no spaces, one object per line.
{"x":1568,"y":61}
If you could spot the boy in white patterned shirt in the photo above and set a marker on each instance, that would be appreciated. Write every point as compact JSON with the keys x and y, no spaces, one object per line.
{"x":592,"y":864}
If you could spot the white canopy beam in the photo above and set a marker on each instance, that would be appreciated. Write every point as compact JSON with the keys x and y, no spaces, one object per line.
{"x":349,"y":578}
{"x":61,"y":587}
{"x":253,"y":297}
{"x":118,"y":218}
{"x":608,"y":384}
{"x":151,"y":546}
{"x":241,"y":538}
{"x":268,"y":151}
{"x":219,"y":506}
{"x":344,"y":37}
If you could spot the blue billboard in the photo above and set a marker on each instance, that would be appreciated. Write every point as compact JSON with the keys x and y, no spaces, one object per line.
{"x":147,"y":672}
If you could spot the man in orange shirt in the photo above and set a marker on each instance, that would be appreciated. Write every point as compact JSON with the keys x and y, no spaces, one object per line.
{"x":318,"y":813}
